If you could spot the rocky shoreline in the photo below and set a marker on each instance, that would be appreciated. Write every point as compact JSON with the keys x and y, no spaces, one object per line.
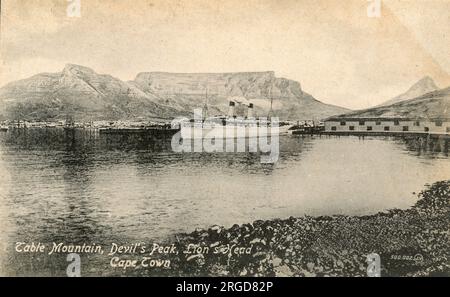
{"x":412,"y":242}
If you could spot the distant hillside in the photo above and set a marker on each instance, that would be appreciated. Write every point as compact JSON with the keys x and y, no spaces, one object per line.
{"x":77,"y":91}
{"x":81,"y":92}
{"x":423,"y":86}
{"x":431,"y":105}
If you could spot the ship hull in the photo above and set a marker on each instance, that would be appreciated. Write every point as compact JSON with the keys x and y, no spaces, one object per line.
{"x":227,"y":131}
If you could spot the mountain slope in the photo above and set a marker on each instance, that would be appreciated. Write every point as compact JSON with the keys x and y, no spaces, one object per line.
{"x":431,"y":105}
{"x":77,"y":91}
{"x":423,"y":86}
{"x":188,"y":91}
{"x":84,"y":94}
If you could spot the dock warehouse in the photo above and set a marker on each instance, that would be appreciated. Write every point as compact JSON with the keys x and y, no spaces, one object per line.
{"x":388,"y":124}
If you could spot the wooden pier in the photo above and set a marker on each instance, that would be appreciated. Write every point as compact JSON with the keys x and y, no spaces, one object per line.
{"x":150,"y":131}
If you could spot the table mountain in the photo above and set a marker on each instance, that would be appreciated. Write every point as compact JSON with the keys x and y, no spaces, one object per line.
{"x":82,"y":93}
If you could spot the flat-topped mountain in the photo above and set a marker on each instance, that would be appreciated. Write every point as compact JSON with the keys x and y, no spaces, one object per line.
{"x":84,"y":94}
{"x":189,"y":91}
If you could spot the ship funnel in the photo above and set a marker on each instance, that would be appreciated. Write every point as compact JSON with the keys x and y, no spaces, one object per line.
{"x":231,"y":113}
{"x":250,"y":110}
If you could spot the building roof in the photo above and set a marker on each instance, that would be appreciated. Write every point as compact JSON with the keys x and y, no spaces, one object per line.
{"x":374,"y":119}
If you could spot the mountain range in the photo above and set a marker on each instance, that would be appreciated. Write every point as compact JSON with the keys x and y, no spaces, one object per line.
{"x":83,"y":94}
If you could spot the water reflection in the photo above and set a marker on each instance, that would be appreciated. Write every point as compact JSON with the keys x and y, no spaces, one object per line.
{"x":79,"y":186}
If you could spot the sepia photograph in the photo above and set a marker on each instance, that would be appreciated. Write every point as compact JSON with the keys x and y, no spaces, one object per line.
{"x":207,"y":138}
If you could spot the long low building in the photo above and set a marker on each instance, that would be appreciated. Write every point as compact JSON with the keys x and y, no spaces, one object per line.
{"x":383,"y":124}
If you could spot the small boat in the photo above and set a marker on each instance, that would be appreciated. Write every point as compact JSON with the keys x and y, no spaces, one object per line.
{"x":3,"y":129}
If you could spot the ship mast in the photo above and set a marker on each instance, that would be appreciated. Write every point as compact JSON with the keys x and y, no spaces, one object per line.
{"x":70,"y":123}
{"x":205,"y":107}
{"x":271,"y":104}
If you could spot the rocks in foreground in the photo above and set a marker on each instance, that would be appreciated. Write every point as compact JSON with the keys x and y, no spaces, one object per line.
{"x":413,"y":242}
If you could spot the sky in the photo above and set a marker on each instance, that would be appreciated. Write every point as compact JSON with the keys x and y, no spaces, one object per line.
{"x":336,"y":51}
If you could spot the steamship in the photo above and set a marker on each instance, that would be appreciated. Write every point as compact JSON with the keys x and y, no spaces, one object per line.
{"x":231,"y":126}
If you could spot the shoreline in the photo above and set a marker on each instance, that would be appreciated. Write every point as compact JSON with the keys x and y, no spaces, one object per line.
{"x":411,"y":242}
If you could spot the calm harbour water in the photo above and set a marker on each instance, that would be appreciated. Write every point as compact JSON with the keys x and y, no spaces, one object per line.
{"x":84,"y":187}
